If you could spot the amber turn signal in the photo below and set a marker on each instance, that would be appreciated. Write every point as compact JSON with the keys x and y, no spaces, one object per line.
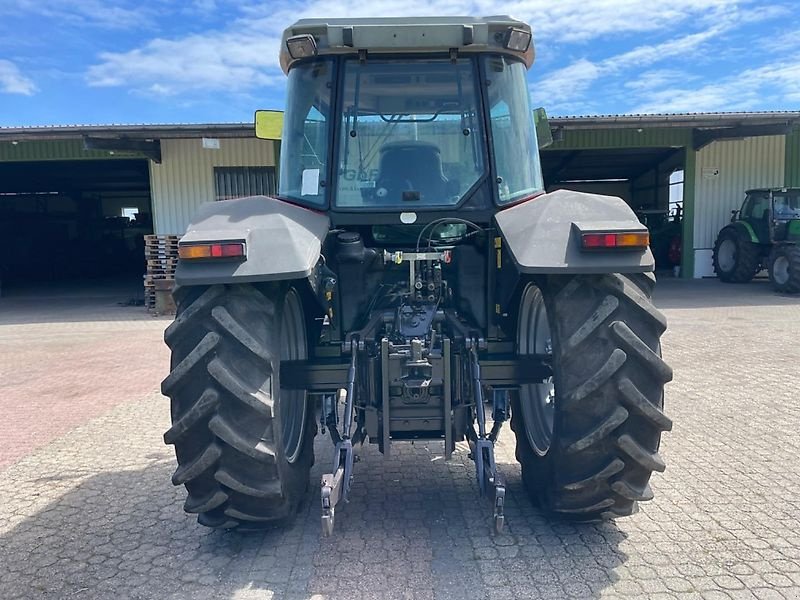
{"x":220,"y":250}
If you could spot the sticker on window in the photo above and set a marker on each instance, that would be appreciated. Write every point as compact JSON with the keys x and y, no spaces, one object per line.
{"x":310,"y":184}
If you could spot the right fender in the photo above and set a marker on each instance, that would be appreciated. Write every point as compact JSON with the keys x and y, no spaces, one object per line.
{"x":283,"y":241}
{"x":543,"y":234}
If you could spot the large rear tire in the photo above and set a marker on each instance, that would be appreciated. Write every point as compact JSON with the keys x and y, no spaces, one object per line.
{"x":736,"y":259}
{"x":588,"y":439}
{"x":244,"y":446}
{"x":784,"y":269}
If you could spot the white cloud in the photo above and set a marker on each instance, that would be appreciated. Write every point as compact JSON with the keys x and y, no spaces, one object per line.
{"x":788,"y":41}
{"x":760,"y":88}
{"x":231,"y":62}
{"x":567,"y":84}
{"x":565,"y":89}
{"x":125,"y":14}
{"x":12,"y":81}
{"x":243,"y":55}
{"x":656,"y":79}
{"x":587,"y":20}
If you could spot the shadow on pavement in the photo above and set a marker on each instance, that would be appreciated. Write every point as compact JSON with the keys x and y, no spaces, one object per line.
{"x":404,"y":535}
{"x":111,"y":300}
{"x":710,"y":293}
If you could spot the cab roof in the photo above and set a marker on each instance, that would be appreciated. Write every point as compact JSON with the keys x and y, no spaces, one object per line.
{"x":406,"y":35}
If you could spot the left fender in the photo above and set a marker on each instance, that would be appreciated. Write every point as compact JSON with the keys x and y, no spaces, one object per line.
{"x":283,"y":241}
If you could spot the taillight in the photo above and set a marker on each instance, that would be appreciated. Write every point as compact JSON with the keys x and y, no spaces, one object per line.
{"x":218,"y":250}
{"x":601,"y":241}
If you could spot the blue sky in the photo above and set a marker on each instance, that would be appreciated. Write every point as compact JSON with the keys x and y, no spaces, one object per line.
{"x":127,"y":61}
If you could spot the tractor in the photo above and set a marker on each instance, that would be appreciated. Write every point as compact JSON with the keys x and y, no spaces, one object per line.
{"x":412,"y":281}
{"x":764,"y":233}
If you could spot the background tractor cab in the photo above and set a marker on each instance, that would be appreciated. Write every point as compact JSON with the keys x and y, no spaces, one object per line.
{"x":764,"y":233}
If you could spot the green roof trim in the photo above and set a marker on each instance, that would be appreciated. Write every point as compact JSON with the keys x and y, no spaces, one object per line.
{"x":657,"y":137}
{"x":67,"y":149}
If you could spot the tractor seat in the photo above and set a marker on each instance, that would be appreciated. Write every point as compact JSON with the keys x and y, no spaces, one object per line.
{"x":414,"y":167}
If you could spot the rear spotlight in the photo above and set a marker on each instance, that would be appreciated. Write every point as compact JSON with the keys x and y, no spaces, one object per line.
{"x":302,"y":46}
{"x":518,"y":39}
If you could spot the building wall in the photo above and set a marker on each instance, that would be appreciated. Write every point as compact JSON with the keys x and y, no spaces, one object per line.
{"x":606,"y":188}
{"x":724,"y":170}
{"x":185,"y":178}
{"x":793,"y":159}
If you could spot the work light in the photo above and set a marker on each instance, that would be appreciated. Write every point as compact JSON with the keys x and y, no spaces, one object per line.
{"x":302,"y":46}
{"x":517,"y":39}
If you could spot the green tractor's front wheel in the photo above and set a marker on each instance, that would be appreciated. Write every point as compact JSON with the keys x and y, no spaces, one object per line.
{"x":244,"y":446}
{"x":588,"y":438}
{"x":784,"y":269}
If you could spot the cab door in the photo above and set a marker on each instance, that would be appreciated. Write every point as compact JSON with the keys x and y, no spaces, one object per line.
{"x":758,"y":214}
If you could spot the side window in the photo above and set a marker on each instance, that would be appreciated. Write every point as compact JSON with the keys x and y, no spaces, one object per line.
{"x":304,"y":144}
{"x":516,"y":151}
{"x":756,"y":207}
{"x":747,"y":208}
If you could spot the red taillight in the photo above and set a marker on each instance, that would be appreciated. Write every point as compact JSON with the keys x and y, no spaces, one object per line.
{"x":219,"y":250}
{"x":594,"y":241}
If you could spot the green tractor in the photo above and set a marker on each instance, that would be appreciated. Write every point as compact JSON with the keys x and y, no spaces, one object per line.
{"x":764,"y":233}
{"x":412,"y":281}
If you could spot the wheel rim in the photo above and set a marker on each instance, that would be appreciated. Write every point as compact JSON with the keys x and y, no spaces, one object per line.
{"x":780,"y":270}
{"x":293,"y":406}
{"x":726,"y":255}
{"x":537,"y":400}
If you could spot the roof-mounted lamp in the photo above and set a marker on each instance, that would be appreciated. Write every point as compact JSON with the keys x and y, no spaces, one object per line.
{"x":301,"y":46}
{"x":518,"y":40}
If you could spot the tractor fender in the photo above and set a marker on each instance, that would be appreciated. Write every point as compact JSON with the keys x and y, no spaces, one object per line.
{"x":543,"y":235}
{"x":746,"y":229}
{"x":282,"y":241}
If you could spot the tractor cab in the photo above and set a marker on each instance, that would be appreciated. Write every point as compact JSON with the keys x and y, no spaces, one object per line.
{"x":383,"y":115}
{"x":771,"y":215}
{"x":786,"y":214}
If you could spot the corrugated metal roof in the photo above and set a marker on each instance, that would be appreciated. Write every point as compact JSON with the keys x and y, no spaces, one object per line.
{"x":137,"y":131}
{"x":681,"y":114}
{"x":715,"y":119}
{"x":188,"y":130}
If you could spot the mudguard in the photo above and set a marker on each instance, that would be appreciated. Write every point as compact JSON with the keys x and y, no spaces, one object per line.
{"x":543,"y":235}
{"x":282,"y":241}
{"x":746,"y":229}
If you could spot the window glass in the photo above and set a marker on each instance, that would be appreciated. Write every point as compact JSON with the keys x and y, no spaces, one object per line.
{"x":516,"y":151}
{"x":410,"y":135}
{"x":304,"y":145}
{"x":787,"y":204}
{"x":757,"y":206}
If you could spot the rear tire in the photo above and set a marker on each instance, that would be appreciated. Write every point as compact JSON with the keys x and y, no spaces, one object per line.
{"x":244,"y":447}
{"x":736,"y":259}
{"x":784,"y":269}
{"x":606,"y":399}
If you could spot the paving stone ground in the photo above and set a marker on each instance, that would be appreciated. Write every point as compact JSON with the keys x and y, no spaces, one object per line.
{"x":87,"y":509}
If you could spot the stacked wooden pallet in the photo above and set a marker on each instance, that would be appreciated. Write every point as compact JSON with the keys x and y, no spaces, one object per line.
{"x":161,"y":253}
